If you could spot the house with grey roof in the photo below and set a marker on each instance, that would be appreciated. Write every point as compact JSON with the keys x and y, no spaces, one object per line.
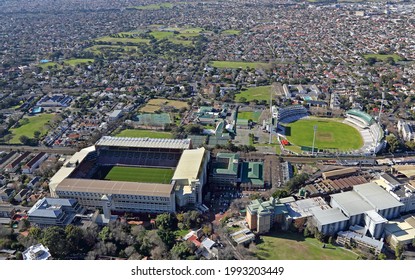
{"x":54,"y":212}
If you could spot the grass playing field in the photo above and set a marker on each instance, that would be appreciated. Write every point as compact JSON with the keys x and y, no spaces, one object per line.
{"x":249,"y":115}
{"x":238,"y":64}
{"x":258,"y":93}
{"x":383,"y":57}
{"x":37,"y":123}
{"x":330,"y":134}
{"x":157,"y":104}
{"x":293,"y":246}
{"x":143,"y":133}
{"x":140,"y":174}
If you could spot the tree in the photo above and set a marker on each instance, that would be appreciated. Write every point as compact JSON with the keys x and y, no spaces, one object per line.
{"x":37,"y":134}
{"x":24,"y":139}
{"x":105,"y":234}
{"x":74,"y":238}
{"x":55,"y":239}
{"x":393,"y":143}
{"x":164,"y":221}
{"x":167,"y":236}
{"x":180,"y":251}
{"x":398,"y":251}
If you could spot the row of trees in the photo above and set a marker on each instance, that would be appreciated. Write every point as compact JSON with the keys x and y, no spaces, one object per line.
{"x":117,"y":239}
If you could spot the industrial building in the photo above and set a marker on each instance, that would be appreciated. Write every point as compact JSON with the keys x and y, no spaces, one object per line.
{"x":367,"y":205}
{"x":400,"y":232}
{"x":329,"y":221}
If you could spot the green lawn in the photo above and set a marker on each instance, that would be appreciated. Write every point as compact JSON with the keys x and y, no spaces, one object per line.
{"x":34,"y":124}
{"x":258,"y":93}
{"x":293,"y":246}
{"x":249,"y":115}
{"x":144,"y":133}
{"x":77,"y":61}
{"x":383,"y":57}
{"x":330,"y":134}
{"x":231,"y":32}
{"x":45,"y":66}
{"x":238,"y":64}
{"x":99,"y":49}
{"x":159,"y":35}
{"x":114,"y":40}
{"x":140,"y":174}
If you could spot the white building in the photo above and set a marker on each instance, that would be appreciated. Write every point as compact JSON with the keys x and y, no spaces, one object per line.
{"x":36,"y":252}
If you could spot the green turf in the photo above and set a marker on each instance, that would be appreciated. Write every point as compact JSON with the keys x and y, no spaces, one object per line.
{"x":383,"y":57}
{"x":293,"y":246}
{"x":159,"y":35}
{"x":143,"y":133}
{"x":77,"y":61}
{"x":114,"y":40}
{"x":330,"y":134}
{"x":238,"y":64}
{"x":231,"y":32}
{"x":258,"y":93}
{"x":45,"y":66}
{"x":140,"y":174}
{"x":34,"y":124}
{"x":249,"y":115}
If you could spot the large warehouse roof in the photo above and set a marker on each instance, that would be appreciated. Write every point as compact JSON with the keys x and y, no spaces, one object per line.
{"x":115,"y":187}
{"x":328,"y":216}
{"x":351,"y":203}
{"x":144,"y":142}
{"x":377,"y":196}
{"x":189,"y":164}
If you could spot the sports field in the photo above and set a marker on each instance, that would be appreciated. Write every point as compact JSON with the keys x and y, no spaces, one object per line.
{"x":255,"y":93}
{"x":383,"y":57}
{"x":249,"y":115}
{"x":293,"y":246}
{"x":157,"y":104}
{"x":37,"y":123}
{"x":238,"y":64}
{"x":140,"y":174}
{"x":143,"y":133}
{"x":330,"y":134}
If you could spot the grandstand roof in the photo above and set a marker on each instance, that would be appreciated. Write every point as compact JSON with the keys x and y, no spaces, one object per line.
{"x":364,"y":116}
{"x":68,"y":167}
{"x":115,"y":187}
{"x":143,"y":142}
{"x":189,"y":164}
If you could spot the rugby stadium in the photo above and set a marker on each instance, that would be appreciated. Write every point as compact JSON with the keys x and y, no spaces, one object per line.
{"x":143,"y":175}
{"x":358,"y":133}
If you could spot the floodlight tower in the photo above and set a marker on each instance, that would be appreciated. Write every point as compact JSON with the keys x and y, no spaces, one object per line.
{"x":314,"y":139}
{"x":380,"y":126}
